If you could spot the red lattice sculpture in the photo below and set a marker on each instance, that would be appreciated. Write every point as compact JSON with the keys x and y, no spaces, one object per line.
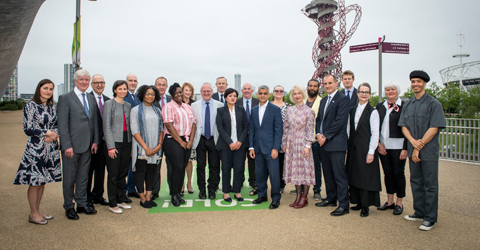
{"x":326,"y":50}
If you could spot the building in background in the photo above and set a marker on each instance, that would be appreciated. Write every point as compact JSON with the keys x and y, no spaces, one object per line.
{"x":238,"y":82}
{"x":68,"y":71}
{"x":11,"y":93}
{"x":26,"y":97}
{"x":60,"y":89}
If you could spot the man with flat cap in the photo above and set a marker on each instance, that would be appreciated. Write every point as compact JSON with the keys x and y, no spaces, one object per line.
{"x":421,"y":119}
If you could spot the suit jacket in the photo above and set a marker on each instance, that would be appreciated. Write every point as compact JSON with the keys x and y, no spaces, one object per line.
{"x":197,"y":111}
{"x":224,"y":127}
{"x":76,"y":129}
{"x":130,"y":100}
{"x":157,"y":104}
{"x":99,"y":115}
{"x":263,"y":138}
{"x":354,"y":95}
{"x":334,"y":122}
{"x":395,"y":130}
{"x":113,"y":122}
{"x":254,"y":103}
{"x":216,"y":96}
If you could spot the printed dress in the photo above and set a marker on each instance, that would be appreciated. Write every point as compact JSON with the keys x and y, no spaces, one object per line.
{"x":41,"y":161}
{"x":297,"y":134}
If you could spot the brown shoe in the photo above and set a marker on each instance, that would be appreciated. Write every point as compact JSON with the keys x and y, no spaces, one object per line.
{"x":302,"y":203}
{"x":296,"y":200}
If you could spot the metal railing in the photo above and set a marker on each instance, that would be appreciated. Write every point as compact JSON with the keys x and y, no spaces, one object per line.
{"x":460,"y":140}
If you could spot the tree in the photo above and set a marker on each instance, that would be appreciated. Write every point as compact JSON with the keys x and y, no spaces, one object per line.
{"x":471,"y":103}
{"x":434,"y":90}
{"x":451,"y":98}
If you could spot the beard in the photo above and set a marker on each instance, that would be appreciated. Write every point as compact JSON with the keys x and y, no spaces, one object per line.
{"x":312,"y":93}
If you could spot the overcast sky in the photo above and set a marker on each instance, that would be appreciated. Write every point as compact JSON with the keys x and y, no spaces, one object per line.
{"x":267,"y":42}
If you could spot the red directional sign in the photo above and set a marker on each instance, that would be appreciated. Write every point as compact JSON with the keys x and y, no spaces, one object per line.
{"x":363,"y":47}
{"x":398,"y":48}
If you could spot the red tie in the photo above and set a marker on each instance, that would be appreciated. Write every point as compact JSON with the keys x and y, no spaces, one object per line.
{"x":394,"y":105}
{"x":163,"y":102}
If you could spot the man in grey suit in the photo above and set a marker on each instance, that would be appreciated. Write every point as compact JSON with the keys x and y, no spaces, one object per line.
{"x":79,"y":138}
{"x":161,"y":84}
{"x":204,"y":142}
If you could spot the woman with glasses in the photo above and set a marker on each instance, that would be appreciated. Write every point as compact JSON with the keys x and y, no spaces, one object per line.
{"x":362,"y":158}
{"x":278,"y":99}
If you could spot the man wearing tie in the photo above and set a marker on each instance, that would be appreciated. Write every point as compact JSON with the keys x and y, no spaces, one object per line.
{"x":351,"y":92}
{"x":221,"y":85}
{"x":248,"y":102}
{"x":79,"y":138}
{"x":131,"y":98}
{"x":161,"y":84}
{"x":331,"y":129}
{"x":266,"y":129}
{"x":204,"y":142}
{"x":97,"y":164}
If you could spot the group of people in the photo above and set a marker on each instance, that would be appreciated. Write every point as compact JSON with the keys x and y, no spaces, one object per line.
{"x":341,"y":134}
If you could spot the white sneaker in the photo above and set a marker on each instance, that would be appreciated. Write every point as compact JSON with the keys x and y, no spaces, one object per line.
{"x":117,"y":211}
{"x":120,"y":205}
{"x":413,"y":217}
{"x":427,"y":226}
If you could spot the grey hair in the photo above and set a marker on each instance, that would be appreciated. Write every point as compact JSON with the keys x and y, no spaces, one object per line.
{"x":392,"y":85}
{"x":98,"y":75}
{"x":263,"y":87}
{"x":207,"y":83}
{"x":366,"y":85}
{"x":161,"y":77}
{"x":80,"y":73}
{"x":301,"y":90}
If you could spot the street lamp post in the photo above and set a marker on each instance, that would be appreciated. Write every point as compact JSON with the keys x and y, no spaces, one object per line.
{"x":76,"y":40}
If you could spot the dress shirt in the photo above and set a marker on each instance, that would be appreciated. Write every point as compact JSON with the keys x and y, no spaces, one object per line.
{"x":233,"y":119}
{"x":220,"y":95}
{"x":374,"y":126}
{"x":80,"y":97}
{"x":182,"y":118}
{"x":390,"y":143}
{"x":164,"y":100}
{"x":96,"y":98}
{"x":249,"y":104}
{"x":349,"y":92}
{"x":212,"y":117}
{"x":261,"y":112}
{"x":328,"y":103}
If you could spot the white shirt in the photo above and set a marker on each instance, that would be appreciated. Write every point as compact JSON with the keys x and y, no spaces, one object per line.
{"x":390,"y":143}
{"x":96,"y":99}
{"x":80,"y":96}
{"x":233,"y":119}
{"x":261,"y":112}
{"x":374,"y":126}
{"x":249,"y":104}
{"x":328,"y":103}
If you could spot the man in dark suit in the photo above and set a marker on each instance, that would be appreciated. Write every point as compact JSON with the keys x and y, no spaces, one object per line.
{"x":221,"y":85}
{"x":331,"y":129}
{"x":97,"y":164}
{"x":131,"y":98}
{"x":351,"y":92}
{"x":161,"y":84}
{"x":265,"y":137}
{"x":248,"y":102}
{"x":79,"y":138}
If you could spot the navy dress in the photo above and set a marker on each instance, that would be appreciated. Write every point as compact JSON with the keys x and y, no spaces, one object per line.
{"x":41,"y":161}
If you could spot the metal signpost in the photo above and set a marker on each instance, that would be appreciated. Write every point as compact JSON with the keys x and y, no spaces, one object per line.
{"x":382,"y":47}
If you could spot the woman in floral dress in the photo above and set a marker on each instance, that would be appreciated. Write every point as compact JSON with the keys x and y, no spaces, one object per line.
{"x":299,"y":168}
{"x":41,"y":161}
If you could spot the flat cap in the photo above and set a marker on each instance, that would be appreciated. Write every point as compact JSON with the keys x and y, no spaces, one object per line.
{"x":420,"y":74}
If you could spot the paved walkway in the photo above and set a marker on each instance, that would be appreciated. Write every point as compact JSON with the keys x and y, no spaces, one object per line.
{"x":285,"y":228}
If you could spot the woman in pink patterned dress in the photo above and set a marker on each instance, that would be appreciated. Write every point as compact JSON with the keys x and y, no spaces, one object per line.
{"x":298,"y":127}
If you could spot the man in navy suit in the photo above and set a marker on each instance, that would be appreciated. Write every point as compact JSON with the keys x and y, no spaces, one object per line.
{"x":351,"y":92}
{"x":221,"y":85}
{"x":266,"y":129}
{"x":98,"y":160}
{"x":331,"y":129}
{"x":131,"y":98}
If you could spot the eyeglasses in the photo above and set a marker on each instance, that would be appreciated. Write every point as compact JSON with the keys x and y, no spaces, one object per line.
{"x":262,"y":93}
{"x":364,"y":92}
{"x":278,"y":91}
{"x":99,"y":83}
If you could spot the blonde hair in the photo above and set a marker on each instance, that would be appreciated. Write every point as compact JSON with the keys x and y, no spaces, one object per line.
{"x":301,"y":90}
{"x":187,"y":84}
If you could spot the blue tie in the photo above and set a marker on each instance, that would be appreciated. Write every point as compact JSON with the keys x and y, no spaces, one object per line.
{"x":135,"y":99}
{"x":348,"y":94}
{"x":208,"y":133}
{"x":85,"y":104}
{"x":248,"y":112}
{"x":324,"y":111}
{"x":221,"y":98}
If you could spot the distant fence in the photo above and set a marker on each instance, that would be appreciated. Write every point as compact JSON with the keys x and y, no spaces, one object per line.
{"x":460,"y":140}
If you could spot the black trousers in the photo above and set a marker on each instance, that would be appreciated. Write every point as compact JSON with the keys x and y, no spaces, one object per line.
{"x":96,"y":174}
{"x":157,"y":179}
{"x":394,"y":170}
{"x":117,"y":171}
{"x":232,"y":159}
{"x":251,"y":169}
{"x":318,"y":167}
{"x":207,"y":147}
{"x":144,"y":175}
{"x":281,"y":159}
{"x":179,"y":162}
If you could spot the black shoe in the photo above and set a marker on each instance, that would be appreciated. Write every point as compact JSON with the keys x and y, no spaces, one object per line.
{"x":154,"y":196}
{"x":324,"y":198}
{"x":211,"y":194}
{"x":134,"y":194}
{"x":71,"y":214}
{"x":182,"y":193}
{"x":386,"y":206}
{"x":86,"y":210}
{"x":239,"y":199}
{"x":326,"y":203}
{"x":180,"y":199}
{"x":146,"y":204}
{"x":259,"y":200}
{"x":339,"y":212}
{"x":274,"y":205}
{"x":175,"y":201}
{"x":153,"y":203}
{"x":229,"y":199}
{"x":398,"y":210}
{"x":364,"y":212}
{"x":190,"y":192}
{"x":102,"y":202}
{"x":202,"y":194}
{"x":356,"y":207}
{"x":127,"y":200}
{"x":90,"y":205}
{"x":427,"y":226}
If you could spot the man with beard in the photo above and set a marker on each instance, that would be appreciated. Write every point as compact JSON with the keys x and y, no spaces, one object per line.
{"x":313,"y":101}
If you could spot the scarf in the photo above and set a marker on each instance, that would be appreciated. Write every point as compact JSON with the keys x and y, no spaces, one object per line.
{"x":141,"y":125}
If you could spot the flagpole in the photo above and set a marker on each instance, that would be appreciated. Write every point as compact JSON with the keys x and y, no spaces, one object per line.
{"x":77,"y":17}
